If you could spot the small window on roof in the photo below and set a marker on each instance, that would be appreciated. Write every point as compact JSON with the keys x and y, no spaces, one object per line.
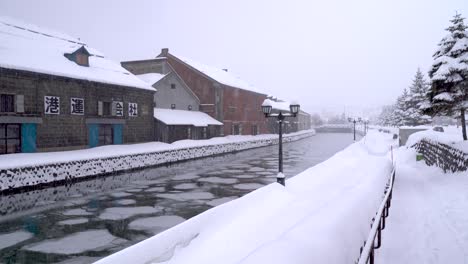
{"x":173,"y":86}
{"x":79,"y":56}
{"x":82,"y":59}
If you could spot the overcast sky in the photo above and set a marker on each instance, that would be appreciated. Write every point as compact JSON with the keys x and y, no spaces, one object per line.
{"x":326,"y":54}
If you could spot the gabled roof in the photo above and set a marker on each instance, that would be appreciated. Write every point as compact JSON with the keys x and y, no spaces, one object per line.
{"x":31,"y":48}
{"x":218,"y":75}
{"x":182,"y":117}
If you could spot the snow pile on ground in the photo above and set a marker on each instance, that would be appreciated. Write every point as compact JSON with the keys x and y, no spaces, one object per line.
{"x":393,"y":130}
{"x":322,"y":216}
{"x":451,"y":136}
{"x":428,"y":220}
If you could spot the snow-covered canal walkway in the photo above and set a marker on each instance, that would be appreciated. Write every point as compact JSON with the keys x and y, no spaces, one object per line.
{"x":428,"y":220}
{"x":322,"y":216}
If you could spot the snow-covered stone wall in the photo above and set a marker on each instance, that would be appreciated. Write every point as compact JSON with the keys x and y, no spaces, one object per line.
{"x":63,"y":172}
{"x":442,"y":155}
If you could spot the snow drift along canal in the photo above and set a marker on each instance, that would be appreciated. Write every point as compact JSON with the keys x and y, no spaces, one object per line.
{"x":321,"y":216}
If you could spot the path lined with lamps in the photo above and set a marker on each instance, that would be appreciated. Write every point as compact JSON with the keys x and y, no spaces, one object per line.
{"x":319,"y":210}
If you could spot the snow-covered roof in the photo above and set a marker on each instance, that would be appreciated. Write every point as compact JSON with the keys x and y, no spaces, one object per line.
{"x":219,"y":75}
{"x":151,"y":78}
{"x":31,"y":48}
{"x":182,"y":117}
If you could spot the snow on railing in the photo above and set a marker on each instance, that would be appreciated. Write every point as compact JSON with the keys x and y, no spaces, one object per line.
{"x":377,"y":225}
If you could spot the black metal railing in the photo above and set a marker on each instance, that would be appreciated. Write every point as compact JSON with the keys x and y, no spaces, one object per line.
{"x":377,"y":225}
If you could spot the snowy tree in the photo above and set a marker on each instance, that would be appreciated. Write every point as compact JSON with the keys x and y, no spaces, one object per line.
{"x":387,"y":116}
{"x":401,"y":115}
{"x":449,"y":74}
{"x":337,"y":119}
{"x":316,"y":120}
{"x":416,"y":101}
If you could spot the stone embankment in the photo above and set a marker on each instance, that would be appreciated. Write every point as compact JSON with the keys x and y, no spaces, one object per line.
{"x":33,"y":176}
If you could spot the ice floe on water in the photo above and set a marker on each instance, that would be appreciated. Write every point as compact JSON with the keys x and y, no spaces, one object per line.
{"x":45,"y":203}
{"x":134,"y":190}
{"x":220,"y":201}
{"x":125,"y":202}
{"x":72,"y":202}
{"x":120,"y":194}
{"x":248,"y":186}
{"x":185,"y":186}
{"x":184,"y":196}
{"x":13,"y":238}
{"x":118,"y":213}
{"x":239,"y":166}
{"x":75,"y":221}
{"x":246,"y":176}
{"x":218,"y":180}
{"x":185,"y":177}
{"x":77,"y":211}
{"x":148,"y":182}
{"x":256,"y":169}
{"x":264,"y":173}
{"x":156,"y":189}
{"x":231,"y":171}
{"x":91,"y":240}
{"x":156,"y":224}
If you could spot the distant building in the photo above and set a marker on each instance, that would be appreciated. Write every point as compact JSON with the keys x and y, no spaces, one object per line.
{"x":56,"y":93}
{"x":220,"y":94}
{"x":172,"y":91}
{"x":183,"y":84}
{"x":176,"y":109}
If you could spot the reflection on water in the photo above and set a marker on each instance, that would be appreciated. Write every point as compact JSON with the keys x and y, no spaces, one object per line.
{"x":92,"y":219}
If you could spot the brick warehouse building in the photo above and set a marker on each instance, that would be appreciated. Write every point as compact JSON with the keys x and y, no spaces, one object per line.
{"x":176,"y":112}
{"x":221,"y":95}
{"x":56,"y":93}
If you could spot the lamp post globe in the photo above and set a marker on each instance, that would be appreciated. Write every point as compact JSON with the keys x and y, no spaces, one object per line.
{"x":294,"y":108}
{"x":266,"y":107}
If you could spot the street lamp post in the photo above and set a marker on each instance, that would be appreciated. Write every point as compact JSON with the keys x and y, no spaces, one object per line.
{"x":266,"y":109}
{"x":366,"y":126}
{"x":354,"y":121}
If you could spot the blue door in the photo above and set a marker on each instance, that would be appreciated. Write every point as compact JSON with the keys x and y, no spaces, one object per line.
{"x":93,"y":135}
{"x":117,"y":134}
{"x":28,"y":138}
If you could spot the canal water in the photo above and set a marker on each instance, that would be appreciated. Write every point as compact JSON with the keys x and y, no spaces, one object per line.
{"x":89,"y":220}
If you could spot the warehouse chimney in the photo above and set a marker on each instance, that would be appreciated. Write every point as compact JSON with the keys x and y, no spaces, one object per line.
{"x":164,"y":52}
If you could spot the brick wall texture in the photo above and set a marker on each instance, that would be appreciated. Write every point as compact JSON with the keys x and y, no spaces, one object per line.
{"x":70,"y":131}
